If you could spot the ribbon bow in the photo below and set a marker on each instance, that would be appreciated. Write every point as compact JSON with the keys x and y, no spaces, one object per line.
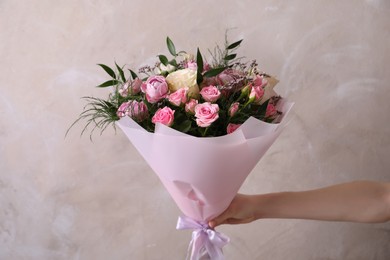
{"x":204,"y":239}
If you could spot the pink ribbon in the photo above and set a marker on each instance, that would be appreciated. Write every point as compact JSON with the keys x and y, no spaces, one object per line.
{"x":204,"y":239}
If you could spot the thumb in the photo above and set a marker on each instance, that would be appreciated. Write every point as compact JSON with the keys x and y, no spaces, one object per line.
{"x":220,"y":219}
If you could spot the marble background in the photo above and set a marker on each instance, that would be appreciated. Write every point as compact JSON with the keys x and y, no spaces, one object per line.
{"x":76,"y":199}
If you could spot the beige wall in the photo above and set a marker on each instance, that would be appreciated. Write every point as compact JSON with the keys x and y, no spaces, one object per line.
{"x":74,"y":199}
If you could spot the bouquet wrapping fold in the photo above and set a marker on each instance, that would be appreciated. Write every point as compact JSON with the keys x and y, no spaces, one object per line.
{"x":203,"y":175}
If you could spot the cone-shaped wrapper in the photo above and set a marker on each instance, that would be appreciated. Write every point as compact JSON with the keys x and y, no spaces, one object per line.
{"x":203,"y":174}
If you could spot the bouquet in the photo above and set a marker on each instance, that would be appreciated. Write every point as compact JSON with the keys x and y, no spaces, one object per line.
{"x":201,"y":125}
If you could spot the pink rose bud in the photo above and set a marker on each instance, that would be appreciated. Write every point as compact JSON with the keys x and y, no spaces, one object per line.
{"x":139,"y":112}
{"x":155,"y":88}
{"x":123,"y":109}
{"x":124,"y":89}
{"x":210,"y":93}
{"x":190,"y":106}
{"x":130,"y":87}
{"x":134,"y":109}
{"x":233,"y":109}
{"x":232,"y":127}
{"x":191,"y":65}
{"x":206,"y":113}
{"x":271,"y":110}
{"x":206,"y":67}
{"x":164,"y":116}
{"x":178,"y":97}
{"x":257,"y":92}
{"x":136,"y":86}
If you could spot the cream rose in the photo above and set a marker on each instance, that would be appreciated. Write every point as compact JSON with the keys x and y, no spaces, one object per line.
{"x":181,"y":79}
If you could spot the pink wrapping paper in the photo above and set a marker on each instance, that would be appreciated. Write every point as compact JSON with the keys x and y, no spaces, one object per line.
{"x":204,"y":174}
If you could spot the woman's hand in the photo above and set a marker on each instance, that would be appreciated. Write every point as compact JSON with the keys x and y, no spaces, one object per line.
{"x":241,"y":210}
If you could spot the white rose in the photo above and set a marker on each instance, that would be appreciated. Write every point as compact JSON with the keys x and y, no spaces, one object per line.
{"x":181,"y":79}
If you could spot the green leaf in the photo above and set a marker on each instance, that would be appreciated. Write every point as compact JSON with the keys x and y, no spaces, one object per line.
{"x":214,"y":72}
{"x":234,"y":45}
{"x":199,"y":78}
{"x":108,"y":83}
{"x":108,"y":70}
{"x":184,"y":126}
{"x":121,"y":72}
{"x":199,"y":61}
{"x":230,"y":57}
{"x":171,"y":47}
{"x":133,"y":74}
{"x":173,"y":62}
{"x":163,"y":59}
{"x":199,"y":64}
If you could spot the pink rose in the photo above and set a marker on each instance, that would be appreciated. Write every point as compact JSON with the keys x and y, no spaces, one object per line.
{"x":190,"y":106}
{"x":136,"y":86}
{"x":178,"y":97}
{"x":124,"y":109}
{"x":232,"y":127}
{"x":164,"y":116}
{"x":232,"y":81}
{"x":257,"y":93}
{"x":233,"y":108}
{"x":206,"y":66}
{"x":271,"y":110}
{"x":130,"y":87}
{"x":155,"y":88}
{"x":206,"y":113}
{"x":210,"y":93}
{"x":260,"y":81}
{"x":134,"y":109}
{"x":228,"y":76}
{"x":191,"y":65}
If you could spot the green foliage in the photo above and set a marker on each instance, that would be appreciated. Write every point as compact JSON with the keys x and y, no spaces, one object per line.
{"x":199,"y":64}
{"x":213,"y":72}
{"x":163,"y":59}
{"x":99,"y":113}
{"x":121,"y":73}
{"x":108,"y":83}
{"x":108,"y":70}
{"x":171,"y":47}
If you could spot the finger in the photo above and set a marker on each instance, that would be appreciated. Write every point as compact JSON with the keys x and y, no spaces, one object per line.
{"x":221,"y":219}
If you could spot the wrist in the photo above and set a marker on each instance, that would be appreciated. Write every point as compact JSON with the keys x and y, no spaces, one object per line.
{"x":271,"y":205}
{"x":261,"y":204}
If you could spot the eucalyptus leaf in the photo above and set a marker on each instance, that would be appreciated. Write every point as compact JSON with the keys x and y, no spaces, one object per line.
{"x":133,"y":74}
{"x":214,"y":72}
{"x":108,"y":70}
{"x":230,"y":57}
{"x":163,"y":59}
{"x":108,"y":83}
{"x":234,"y":45}
{"x":171,"y":47}
{"x":121,"y":72}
